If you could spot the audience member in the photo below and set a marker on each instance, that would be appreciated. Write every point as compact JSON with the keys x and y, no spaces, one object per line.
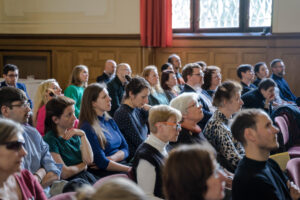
{"x":228,"y":101}
{"x":212,"y":79}
{"x":169,"y":84}
{"x":11,"y":76}
{"x":261,"y":71}
{"x":45,"y":91}
{"x":14,"y":105}
{"x":132,"y":116}
{"x":157,"y":95}
{"x":246,"y":75}
{"x":116,"y":86}
{"x":192,"y":75}
{"x":14,"y":182}
{"x":261,"y":97}
{"x":78,"y":82}
{"x":68,"y":146}
{"x":278,"y":71}
{"x":192,"y":172}
{"x":113,"y":189}
{"x":174,"y":59}
{"x":108,"y":73}
{"x":257,"y":176}
{"x":108,"y":144}
{"x":149,"y":158}
{"x":166,"y":66}
{"x":202,"y":64}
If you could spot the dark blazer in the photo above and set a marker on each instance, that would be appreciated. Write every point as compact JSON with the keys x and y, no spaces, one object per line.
{"x":247,"y":88}
{"x":115,"y":89}
{"x":20,"y":86}
{"x":254,"y":99}
{"x":103,"y":78}
{"x":205,"y":108}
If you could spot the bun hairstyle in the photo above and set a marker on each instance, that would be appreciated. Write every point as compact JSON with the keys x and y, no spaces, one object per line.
{"x":225,"y":92}
{"x":135,"y":86}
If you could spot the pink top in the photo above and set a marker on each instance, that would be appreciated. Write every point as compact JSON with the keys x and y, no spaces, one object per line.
{"x":30,"y":188}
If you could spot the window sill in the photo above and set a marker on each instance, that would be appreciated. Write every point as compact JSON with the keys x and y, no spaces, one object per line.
{"x":220,"y":35}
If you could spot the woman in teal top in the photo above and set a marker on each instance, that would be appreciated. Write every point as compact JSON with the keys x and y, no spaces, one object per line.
{"x":78,"y":82}
{"x":68,"y":146}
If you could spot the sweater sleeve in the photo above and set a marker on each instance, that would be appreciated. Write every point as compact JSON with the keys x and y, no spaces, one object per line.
{"x":99,"y":156}
{"x":72,"y":93}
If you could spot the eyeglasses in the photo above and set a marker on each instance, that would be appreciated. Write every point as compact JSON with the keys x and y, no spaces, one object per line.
{"x":196,"y":104}
{"x":200,"y":74}
{"x":13,"y":75}
{"x":175,"y":125}
{"x":14,"y":145}
{"x":22,"y":105}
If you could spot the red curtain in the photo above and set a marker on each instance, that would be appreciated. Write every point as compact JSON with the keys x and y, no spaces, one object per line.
{"x":156,"y":23}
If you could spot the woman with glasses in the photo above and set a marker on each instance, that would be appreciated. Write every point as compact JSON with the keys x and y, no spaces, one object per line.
{"x":14,"y":182}
{"x":191,"y":172}
{"x":228,"y":101}
{"x":149,"y":158}
{"x":212,"y":79}
{"x":191,"y":111}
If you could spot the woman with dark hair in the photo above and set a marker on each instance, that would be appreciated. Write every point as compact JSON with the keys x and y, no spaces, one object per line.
{"x":212,"y":79}
{"x":167,"y":66}
{"x":108,"y":144}
{"x":197,"y":178}
{"x":227,"y":100}
{"x":261,"y":71}
{"x":169,"y":83}
{"x":78,"y":82}
{"x":132,"y":115}
{"x":68,"y":146}
{"x":15,"y":183}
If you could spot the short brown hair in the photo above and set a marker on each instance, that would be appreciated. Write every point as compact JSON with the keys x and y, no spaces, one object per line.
{"x":75,"y":80}
{"x":188,"y":70}
{"x":225,"y":92}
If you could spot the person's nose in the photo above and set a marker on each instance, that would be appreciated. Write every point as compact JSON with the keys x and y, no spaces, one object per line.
{"x":23,"y":152}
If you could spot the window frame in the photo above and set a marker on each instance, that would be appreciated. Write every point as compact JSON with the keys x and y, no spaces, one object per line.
{"x":243,"y":21}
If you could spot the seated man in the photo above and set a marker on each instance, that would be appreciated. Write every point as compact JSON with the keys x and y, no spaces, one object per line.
{"x":108,"y":73}
{"x":262,"y":96}
{"x":14,"y":105}
{"x":278,"y":71}
{"x":10,"y":75}
{"x":257,"y":176}
{"x":175,"y":60}
{"x":246,"y":75}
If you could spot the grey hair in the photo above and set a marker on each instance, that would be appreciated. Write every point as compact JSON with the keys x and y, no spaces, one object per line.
{"x":183,"y":101}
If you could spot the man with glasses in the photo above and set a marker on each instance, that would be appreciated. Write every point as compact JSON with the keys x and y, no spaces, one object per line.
{"x":11,"y":75}
{"x":14,"y":106}
{"x":193,"y":77}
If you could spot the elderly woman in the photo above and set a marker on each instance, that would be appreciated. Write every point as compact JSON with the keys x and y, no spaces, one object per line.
{"x":169,"y":84}
{"x":261,"y":71}
{"x":68,"y":146}
{"x":191,"y":110}
{"x":148,"y":160}
{"x":108,"y":144}
{"x":212,"y":79}
{"x":78,"y":82}
{"x":191,"y":172}
{"x":132,"y":115}
{"x":228,"y":101}
{"x":157,"y":95}
{"x":14,"y":182}
{"x":46,"y":91}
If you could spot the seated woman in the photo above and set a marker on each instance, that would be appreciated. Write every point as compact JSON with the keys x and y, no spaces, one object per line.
{"x":132,"y":115}
{"x":149,"y":158}
{"x":197,"y":178}
{"x":228,"y":101}
{"x":191,"y":111}
{"x":212,"y":79}
{"x":45,"y":91}
{"x":108,"y":144}
{"x":166,"y":66}
{"x":157,"y":95}
{"x":68,"y":146}
{"x":261,"y":71}
{"x":169,"y":84}
{"x":78,"y":82}
{"x":15,"y":183}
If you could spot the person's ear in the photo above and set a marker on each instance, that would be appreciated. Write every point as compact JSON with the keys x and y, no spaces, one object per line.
{"x":250,"y":135}
{"x":4,"y":111}
{"x":55,"y":119}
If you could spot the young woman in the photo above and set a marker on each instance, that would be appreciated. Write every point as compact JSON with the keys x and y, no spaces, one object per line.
{"x":78,"y":82}
{"x":169,"y":84}
{"x":157,"y":95}
{"x":68,"y":146}
{"x":46,"y":91}
{"x":132,"y":115}
{"x":197,"y":178}
{"x":228,"y":101}
{"x":14,"y":182}
{"x":261,"y":71}
{"x":108,"y":144}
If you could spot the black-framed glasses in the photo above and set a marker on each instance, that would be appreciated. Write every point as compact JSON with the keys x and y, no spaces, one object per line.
{"x":14,"y":145}
{"x":24,"y":104}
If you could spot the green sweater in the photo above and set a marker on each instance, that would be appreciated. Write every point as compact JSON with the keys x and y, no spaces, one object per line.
{"x":75,"y":93}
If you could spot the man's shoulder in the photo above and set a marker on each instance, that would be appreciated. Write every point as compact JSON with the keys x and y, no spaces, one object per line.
{"x":2,"y":84}
{"x":21,"y":86}
{"x":31,"y":132}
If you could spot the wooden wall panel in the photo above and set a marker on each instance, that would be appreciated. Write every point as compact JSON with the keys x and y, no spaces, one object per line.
{"x":62,"y":66}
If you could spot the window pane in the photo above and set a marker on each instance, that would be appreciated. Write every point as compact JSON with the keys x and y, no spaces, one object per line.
{"x":260,"y":13}
{"x":181,"y":13}
{"x":219,"y":13}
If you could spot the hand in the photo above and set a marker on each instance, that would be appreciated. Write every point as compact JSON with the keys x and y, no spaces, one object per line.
{"x":146,"y":107}
{"x":94,"y":166}
{"x":71,"y":132}
{"x":294,"y":190}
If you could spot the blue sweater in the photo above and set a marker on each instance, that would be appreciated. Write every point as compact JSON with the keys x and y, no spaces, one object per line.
{"x":285,"y":92}
{"x":114,"y":141}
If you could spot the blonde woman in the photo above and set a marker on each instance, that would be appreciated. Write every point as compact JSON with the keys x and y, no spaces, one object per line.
{"x":46,"y":90}
{"x":157,"y":95}
{"x":78,"y":82}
